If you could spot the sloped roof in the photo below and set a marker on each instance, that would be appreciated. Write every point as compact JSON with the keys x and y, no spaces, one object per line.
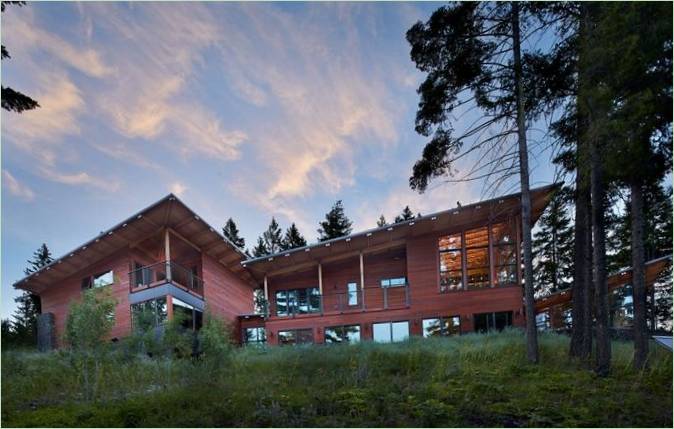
{"x":394,"y":234}
{"x":168,"y":212}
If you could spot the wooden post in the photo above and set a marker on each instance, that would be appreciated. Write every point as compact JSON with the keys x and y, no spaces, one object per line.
{"x":266,"y":289}
{"x":464,"y":261}
{"x":492,"y":271}
{"x":167,"y":254}
{"x":320,"y":279}
{"x":169,"y":307}
{"x":362,"y":279}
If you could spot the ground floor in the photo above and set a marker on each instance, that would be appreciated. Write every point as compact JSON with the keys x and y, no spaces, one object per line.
{"x":386,"y":327}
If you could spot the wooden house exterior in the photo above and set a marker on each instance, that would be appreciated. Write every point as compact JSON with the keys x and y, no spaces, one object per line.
{"x":446,"y":273}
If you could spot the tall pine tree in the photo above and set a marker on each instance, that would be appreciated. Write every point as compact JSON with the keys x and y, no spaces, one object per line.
{"x":553,"y":248}
{"x":260,"y":248}
{"x":381,"y":221}
{"x":336,"y":224}
{"x":232,"y":233}
{"x":406,"y":214}
{"x":24,"y":324}
{"x":273,"y":237}
{"x":293,"y":239}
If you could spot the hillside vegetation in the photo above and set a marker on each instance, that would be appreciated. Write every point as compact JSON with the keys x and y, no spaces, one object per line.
{"x":472,"y":380}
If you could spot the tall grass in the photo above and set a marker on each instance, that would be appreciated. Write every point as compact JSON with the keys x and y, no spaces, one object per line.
{"x":472,"y":380}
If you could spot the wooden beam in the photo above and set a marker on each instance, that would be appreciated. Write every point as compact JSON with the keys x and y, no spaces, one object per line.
{"x":320,"y":278}
{"x":167,"y":253}
{"x":266,"y":289}
{"x":194,"y":246}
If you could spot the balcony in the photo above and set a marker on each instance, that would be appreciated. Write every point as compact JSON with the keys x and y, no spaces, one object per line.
{"x":165,"y":272}
{"x":367,"y":299}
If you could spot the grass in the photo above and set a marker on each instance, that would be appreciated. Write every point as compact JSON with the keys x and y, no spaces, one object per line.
{"x":472,"y":380}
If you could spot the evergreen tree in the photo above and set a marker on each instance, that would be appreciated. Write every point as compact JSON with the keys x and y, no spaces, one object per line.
{"x":553,"y":248}
{"x":406,"y":214}
{"x":260,"y":248}
{"x":28,"y":304}
{"x":14,"y":100}
{"x":232,"y":233}
{"x":336,"y":224}
{"x":293,"y":239}
{"x":382,"y":221}
{"x":273,"y":237}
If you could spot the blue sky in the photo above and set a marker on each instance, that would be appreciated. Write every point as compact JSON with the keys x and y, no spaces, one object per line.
{"x":243,"y":110}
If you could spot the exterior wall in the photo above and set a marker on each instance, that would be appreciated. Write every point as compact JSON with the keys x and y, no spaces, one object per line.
{"x":420,"y":264}
{"x":225,"y":294}
{"x":57,"y":298}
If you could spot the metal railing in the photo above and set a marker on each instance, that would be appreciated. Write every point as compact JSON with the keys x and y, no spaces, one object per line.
{"x":364,"y":299}
{"x":165,"y":272}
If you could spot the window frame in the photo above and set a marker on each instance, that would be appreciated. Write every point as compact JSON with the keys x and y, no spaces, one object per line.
{"x":88,"y":282}
{"x":296,"y":336}
{"x":293,"y":301}
{"x":340,"y":333}
{"x":352,"y":294}
{"x":443,"y":331}
{"x":390,"y":325}
{"x":390,"y":285}
{"x":258,"y":341}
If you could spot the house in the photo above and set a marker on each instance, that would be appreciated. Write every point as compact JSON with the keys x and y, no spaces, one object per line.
{"x":446,"y":273}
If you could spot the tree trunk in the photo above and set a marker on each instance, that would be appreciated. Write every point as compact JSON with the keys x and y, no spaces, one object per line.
{"x":581,"y":313}
{"x":603,"y":363}
{"x":638,"y":275}
{"x":529,"y":303}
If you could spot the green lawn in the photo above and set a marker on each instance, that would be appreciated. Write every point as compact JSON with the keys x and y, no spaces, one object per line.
{"x":473,"y":380}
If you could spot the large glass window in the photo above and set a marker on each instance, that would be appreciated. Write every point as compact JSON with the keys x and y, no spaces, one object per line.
{"x":451,"y":266}
{"x":477,"y":258}
{"x":298,"y":301}
{"x":504,"y":253}
{"x":353,"y":293}
{"x":493,"y":321}
{"x":189,"y":316}
{"x":150,"y":313}
{"x":296,"y":336}
{"x":342,"y":334}
{"x":388,"y":332}
{"x":98,"y":280}
{"x":255,"y":335}
{"x":442,"y":326}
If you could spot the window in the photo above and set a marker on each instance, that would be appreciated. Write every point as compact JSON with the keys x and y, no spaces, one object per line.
{"x":543,"y":321}
{"x":298,"y":301}
{"x":389,"y":332}
{"x":451,"y":266}
{"x":98,"y":280}
{"x":442,"y":326}
{"x":353,"y":293}
{"x":296,"y":336}
{"x":342,"y":334}
{"x":190,"y":317}
{"x":255,"y":336}
{"x":150,"y":313}
{"x":504,"y":253}
{"x":493,"y":321}
{"x":477,"y":258}
{"x":394,"y":282}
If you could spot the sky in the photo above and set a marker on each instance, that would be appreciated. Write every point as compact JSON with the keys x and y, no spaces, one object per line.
{"x":242,"y":110}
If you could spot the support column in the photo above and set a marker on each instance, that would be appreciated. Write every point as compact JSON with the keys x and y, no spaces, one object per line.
{"x":362,"y":280}
{"x":167,"y":254}
{"x":266,"y":289}
{"x":169,"y":307}
{"x":320,"y":279}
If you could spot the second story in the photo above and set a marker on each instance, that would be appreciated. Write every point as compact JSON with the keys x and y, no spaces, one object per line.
{"x":459,"y":258}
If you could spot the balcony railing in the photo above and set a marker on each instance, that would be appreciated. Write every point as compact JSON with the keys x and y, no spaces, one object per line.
{"x":165,"y":272}
{"x":367,"y":299}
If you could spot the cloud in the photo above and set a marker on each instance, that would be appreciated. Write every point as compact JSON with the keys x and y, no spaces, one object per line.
{"x":17,"y":188}
{"x":178,"y":189}
{"x":124,"y":152}
{"x":40,"y":131}
{"x":79,"y":179}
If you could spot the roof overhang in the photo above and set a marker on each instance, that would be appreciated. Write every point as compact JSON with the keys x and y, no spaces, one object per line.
{"x":169,"y":212}
{"x":654,"y":268}
{"x":395,"y":235}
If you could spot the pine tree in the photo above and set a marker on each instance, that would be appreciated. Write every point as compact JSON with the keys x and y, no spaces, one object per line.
{"x":14,"y":100}
{"x":28,"y":304}
{"x":382,"y":221}
{"x":273,"y":237}
{"x":406,"y":214}
{"x":260,"y":248}
{"x":232,"y":233}
{"x":336,"y":224}
{"x":293,"y":239}
{"x":553,"y":248}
